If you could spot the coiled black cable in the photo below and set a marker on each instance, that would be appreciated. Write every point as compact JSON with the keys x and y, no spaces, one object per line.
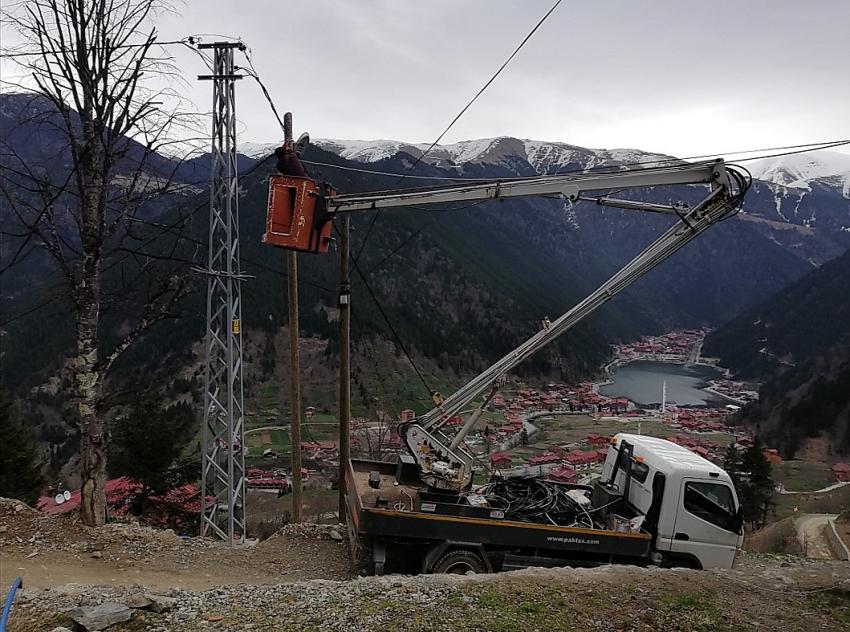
{"x":530,"y":499}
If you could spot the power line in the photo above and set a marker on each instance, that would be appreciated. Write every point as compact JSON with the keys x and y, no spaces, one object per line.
{"x":386,"y":318}
{"x":457,"y":117}
{"x":806,"y":147}
{"x":37,"y":307}
{"x":486,"y":85}
{"x":794,"y":149}
{"x":253,"y":73}
{"x":167,"y":228}
{"x":68,"y":50}
{"x":832,"y":145}
{"x":410,"y":238}
{"x":389,"y":173}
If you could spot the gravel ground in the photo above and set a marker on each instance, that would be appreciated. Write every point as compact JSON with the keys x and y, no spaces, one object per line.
{"x":302,"y":579}
{"x":767,"y":592}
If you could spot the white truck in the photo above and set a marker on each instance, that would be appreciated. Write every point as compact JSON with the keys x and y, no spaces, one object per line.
{"x":656,"y":504}
{"x":689,"y":503}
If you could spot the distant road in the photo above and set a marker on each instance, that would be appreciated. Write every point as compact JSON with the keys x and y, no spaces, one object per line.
{"x":819,"y":491}
{"x":694,"y":354}
{"x":811,"y":531}
{"x":266,"y":428}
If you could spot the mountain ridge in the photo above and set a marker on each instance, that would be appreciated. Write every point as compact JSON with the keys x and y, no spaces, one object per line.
{"x":798,"y":342}
{"x":798,"y":171}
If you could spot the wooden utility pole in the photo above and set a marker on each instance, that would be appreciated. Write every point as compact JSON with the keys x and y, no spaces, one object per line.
{"x":344,"y":363}
{"x":294,"y":362}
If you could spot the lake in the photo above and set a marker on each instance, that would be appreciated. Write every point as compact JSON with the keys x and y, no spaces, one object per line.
{"x":641,"y":382}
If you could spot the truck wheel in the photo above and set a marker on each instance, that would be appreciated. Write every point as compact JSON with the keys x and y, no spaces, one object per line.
{"x":681,"y":562}
{"x":459,"y":562}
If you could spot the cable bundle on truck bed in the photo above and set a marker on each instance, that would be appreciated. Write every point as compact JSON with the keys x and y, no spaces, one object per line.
{"x":530,"y":499}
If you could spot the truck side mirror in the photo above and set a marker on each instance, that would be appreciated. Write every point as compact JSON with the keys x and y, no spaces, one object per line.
{"x":738,"y":520}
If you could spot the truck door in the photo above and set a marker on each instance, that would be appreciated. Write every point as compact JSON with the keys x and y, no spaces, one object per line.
{"x":706,"y":526}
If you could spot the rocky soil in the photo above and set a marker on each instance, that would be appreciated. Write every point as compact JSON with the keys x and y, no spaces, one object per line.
{"x":768,"y":594}
{"x":306,"y":583}
{"x":57,"y":550}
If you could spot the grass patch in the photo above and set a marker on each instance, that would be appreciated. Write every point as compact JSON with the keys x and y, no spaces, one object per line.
{"x":528,"y":607}
{"x":803,"y":476}
{"x":687,"y":601}
{"x":563,"y":429}
{"x":834,"y":501}
{"x":835,"y":603}
{"x":280,"y":438}
{"x":494,"y":601}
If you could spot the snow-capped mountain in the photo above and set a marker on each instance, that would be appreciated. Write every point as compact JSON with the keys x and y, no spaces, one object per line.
{"x":803,"y":190}
{"x":256,"y":150}
{"x":543,"y":156}
{"x":799,"y":171}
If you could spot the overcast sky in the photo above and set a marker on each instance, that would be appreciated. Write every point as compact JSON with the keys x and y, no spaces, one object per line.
{"x":675,"y":76}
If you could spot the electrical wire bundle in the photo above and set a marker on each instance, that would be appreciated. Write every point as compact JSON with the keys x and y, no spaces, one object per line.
{"x":529,"y":499}
{"x":743,"y":180}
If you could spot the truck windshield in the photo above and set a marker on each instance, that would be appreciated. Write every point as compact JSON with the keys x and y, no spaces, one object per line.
{"x":712,"y":502}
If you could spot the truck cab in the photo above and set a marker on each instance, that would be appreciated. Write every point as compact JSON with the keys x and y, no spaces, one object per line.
{"x":689,"y":504}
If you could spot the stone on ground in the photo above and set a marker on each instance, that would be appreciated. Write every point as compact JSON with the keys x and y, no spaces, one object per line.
{"x":160,"y":603}
{"x":102,"y":616}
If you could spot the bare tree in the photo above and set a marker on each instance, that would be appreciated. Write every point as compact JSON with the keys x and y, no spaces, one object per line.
{"x":375,"y":439}
{"x":100,"y":79}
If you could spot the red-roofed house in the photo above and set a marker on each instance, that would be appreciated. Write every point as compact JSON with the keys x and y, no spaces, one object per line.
{"x":500,"y":460}
{"x":581,"y":460}
{"x":119,"y":491}
{"x":841,"y":472}
{"x":597,"y":439}
{"x":563,"y":474}
{"x":544,"y":459}
{"x":772,"y":455}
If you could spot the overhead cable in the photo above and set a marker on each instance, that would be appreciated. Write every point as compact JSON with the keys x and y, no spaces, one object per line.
{"x":386,"y":318}
{"x":799,"y":149}
{"x":253,"y":73}
{"x":485,"y":86}
{"x":459,"y":114}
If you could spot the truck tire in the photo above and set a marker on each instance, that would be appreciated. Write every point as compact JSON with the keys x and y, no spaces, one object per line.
{"x":681,"y":562}
{"x":459,"y":562}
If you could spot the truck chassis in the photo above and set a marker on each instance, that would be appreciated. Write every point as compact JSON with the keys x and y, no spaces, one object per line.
{"x":401,"y":527}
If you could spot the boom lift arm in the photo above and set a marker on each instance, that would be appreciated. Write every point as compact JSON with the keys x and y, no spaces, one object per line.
{"x":443,"y":463}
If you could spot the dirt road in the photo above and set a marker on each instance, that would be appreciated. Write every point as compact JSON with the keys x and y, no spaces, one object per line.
{"x":288,"y":559}
{"x":811,"y":530}
{"x":49,"y":551}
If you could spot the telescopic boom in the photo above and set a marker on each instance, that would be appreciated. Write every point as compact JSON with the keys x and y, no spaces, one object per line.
{"x":442,"y":461}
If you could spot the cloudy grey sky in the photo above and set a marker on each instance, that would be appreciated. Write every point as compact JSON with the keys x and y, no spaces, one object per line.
{"x":676,"y":76}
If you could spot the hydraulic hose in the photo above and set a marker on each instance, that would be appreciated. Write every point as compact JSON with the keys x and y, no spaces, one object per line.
{"x":10,"y":599}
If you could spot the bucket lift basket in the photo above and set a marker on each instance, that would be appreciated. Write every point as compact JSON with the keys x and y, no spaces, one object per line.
{"x":297,"y":217}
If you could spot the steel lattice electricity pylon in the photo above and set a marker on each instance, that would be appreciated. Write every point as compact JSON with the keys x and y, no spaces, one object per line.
{"x":222,"y":460}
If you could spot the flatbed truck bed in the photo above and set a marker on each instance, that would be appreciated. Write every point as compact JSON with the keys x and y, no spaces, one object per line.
{"x":399,"y":526}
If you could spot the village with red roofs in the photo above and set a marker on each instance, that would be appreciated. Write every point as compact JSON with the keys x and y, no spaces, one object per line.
{"x":557,"y":430}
